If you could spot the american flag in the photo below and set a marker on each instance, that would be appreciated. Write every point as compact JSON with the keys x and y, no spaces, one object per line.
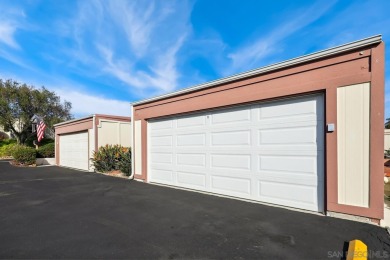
{"x":40,"y":130}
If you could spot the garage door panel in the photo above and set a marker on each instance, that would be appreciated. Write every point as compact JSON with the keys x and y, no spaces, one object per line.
{"x":285,"y":150}
{"x":191,"y":179}
{"x":74,"y":150}
{"x":234,"y":117}
{"x":269,"y":152}
{"x":191,"y":159}
{"x":299,"y":135}
{"x":164,"y":176}
{"x":287,"y":123}
{"x":230,"y":161}
{"x":302,"y":196}
{"x":162,"y":158}
{"x":229,"y":185}
{"x":191,"y":121}
{"x":288,"y":163}
{"x":161,"y":125}
{"x":191,"y":140}
{"x":289,"y":108}
{"x":290,"y":177}
{"x":162,"y":140}
{"x":232,"y":175}
{"x":231,"y":138}
{"x":162,"y":166}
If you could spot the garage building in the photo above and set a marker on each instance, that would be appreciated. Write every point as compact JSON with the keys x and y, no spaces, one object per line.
{"x":305,"y":133}
{"x":76,"y":140}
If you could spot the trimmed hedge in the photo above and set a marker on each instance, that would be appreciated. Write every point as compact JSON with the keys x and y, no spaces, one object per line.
{"x":6,"y":147}
{"x":46,"y":151}
{"x":24,"y":154}
{"x":112,"y":157}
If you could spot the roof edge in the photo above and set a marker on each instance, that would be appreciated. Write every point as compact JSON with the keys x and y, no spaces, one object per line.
{"x":91,"y":116}
{"x":287,"y":63}
{"x":74,"y":120}
{"x":113,"y":116}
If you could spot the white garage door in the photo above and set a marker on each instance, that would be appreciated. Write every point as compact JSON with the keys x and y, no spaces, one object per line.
{"x":270,"y":152}
{"x":74,"y":150}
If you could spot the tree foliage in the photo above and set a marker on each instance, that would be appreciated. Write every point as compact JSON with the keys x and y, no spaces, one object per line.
{"x":19,"y":102}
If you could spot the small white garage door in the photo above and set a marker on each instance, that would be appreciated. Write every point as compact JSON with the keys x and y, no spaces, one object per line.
{"x":270,"y":152}
{"x":74,"y":150}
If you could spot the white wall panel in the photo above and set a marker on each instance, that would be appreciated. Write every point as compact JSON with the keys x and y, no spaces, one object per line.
{"x":125,"y":134}
{"x":114,"y":132}
{"x":353,"y":131}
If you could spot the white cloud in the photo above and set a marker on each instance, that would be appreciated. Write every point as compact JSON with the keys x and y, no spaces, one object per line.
{"x":7,"y":34}
{"x":137,"y":20}
{"x":251,"y":53}
{"x":134,"y":42}
{"x":162,"y":74}
{"x":86,"y":104}
{"x":11,"y":20}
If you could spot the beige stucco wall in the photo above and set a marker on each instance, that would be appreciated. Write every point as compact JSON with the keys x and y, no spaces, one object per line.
{"x":113,"y":132}
{"x":353,"y":131}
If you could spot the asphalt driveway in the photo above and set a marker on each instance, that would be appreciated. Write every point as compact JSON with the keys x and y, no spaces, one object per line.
{"x":52,"y":212}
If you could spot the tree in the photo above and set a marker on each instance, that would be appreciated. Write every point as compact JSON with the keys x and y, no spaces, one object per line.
{"x":387,"y":123}
{"x":19,"y":102}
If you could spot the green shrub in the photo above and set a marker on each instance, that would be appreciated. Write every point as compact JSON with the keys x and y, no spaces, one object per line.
{"x":124,"y":163}
{"x":44,"y":141}
{"x":6,"y":147}
{"x":46,"y":151}
{"x":24,"y":154}
{"x":112,"y":157}
{"x":7,"y":142}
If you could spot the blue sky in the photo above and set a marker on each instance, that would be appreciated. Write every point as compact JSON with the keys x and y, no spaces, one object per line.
{"x":102,"y":55}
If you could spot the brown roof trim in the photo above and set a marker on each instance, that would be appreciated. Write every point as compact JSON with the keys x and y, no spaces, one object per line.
{"x":73,"y":120}
{"x":122,"y":118}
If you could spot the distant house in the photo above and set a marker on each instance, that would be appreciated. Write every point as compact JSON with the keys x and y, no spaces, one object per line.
{"x":4,"y":133}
